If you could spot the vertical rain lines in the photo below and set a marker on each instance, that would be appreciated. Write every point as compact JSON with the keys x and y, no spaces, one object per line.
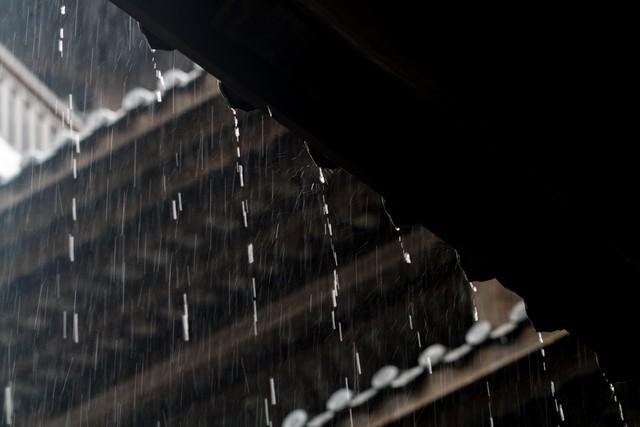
{"x":244,"y":205}
{"x":328,"y":227}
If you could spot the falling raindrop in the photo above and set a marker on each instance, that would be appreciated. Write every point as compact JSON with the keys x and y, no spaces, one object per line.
{"x":64,"y":325}
{"x":272,"y":386}
{"x":74,"y":214}
{"x":185,"y":318}
{"x":8,"y":404}
{"x":250,"y":253}
{"x":71,"y":248}
{"x":174,"y":211}
{"x":76,"y":333}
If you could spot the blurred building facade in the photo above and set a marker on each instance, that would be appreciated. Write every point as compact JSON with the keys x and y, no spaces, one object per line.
{"x":31,"y":115}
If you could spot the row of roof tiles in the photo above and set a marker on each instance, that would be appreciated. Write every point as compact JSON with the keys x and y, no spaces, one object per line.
{"x":392,"y":377}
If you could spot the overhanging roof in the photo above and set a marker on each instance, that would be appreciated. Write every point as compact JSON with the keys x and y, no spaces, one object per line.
{"x":472,"y":121}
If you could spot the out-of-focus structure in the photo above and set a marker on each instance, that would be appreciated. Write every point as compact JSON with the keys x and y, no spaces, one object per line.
{"x":31,"y":115}
{"x":172,"y":267}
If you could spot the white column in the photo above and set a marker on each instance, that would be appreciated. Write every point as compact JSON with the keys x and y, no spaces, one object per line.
{"x":47,"y":137}
{"x":18,"y":108}
{"x":32,"y":114}
{"x":4,"y":107}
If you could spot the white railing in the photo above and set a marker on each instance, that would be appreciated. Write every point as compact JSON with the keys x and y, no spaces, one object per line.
{"x":25,"y":124}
